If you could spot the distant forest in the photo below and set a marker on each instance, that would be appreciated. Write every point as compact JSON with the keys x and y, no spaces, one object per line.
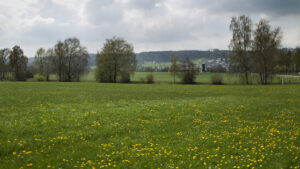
{"x":164,"y":56}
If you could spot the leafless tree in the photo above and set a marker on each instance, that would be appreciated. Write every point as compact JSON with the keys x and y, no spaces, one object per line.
{"x":240,"y":45}
{"x":265,"y":48}
{"x":4,"y":63}
{"x":174,"y":69}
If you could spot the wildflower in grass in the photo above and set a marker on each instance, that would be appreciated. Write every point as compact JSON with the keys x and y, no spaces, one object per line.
{"x":179,"y":133}
{"x":29,"y":165}
{"x":138,"y":134}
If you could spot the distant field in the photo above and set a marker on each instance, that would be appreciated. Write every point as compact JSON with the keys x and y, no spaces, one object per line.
{"x":200,"y":78}
{"x":228,"y":78}
{"x":204,"y":78}
{"x":197,"y":62}
{"x":94,"y":125}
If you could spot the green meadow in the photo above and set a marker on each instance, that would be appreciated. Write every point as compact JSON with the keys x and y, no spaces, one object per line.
{"x":95,"y":125}
{"x":201,"y":78}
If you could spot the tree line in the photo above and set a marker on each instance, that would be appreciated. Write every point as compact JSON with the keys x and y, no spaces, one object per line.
{"x":259,"y":51}
{"x":255,"y":51}
{"x":67,"y":59}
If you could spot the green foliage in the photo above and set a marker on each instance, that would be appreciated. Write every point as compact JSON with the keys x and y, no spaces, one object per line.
{"x":40,"y":78}
{"x":142,"y":79}
{"x":44,"y":62}
{"x":70,"y":59}
{"x":265,"y":49}
{"x":150,"y":78}
{"x":188,"y":72}
{"x":162,"y":58}
{"x":125,"y":77}
{"x":259,"y":55}
{"x":18,"y":63}
{"x":284,"y":62}
{"x":4,"y":64}
{"x":39,"y":60}
{"x":69,"y":125}
{"x":202,"y":78}
{"x":116,"y":61}
{"x":37,"y":78}
{"x":217,"y":79}
{"x":296,"y":59}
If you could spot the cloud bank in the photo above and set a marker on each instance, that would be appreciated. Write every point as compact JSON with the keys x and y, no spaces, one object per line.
{"x":147,"y":24}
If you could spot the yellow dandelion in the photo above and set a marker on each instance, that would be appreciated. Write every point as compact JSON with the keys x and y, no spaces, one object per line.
{"x":29,"y":165}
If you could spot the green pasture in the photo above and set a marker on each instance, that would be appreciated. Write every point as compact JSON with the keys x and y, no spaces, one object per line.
{"x":95,"y":125}
{"x":205,"y":78}
{"x":197,"y":62}
{"x":201,"y":78}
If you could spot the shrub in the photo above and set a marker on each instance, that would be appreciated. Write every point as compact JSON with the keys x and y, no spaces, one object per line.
{"x":150,"y":78}
{"x":188,"y":72}
{"x":216,"y":79}
{"x":188,"y":77}
{"x":125,"y":77}
{"x":39,"y":78}
{"x":142,"y":79}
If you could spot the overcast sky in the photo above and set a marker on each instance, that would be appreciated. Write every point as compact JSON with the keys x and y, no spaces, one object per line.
{"x":147,"y":24}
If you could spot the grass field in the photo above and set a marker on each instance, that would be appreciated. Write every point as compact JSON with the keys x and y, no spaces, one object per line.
{"x":94,"y":125}
{"x":201,"y":78}
{"x":197,"y":62}
{"x":205,"y":78}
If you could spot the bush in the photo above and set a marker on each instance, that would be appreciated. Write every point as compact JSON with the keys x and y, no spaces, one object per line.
{"x":125,"y":77}
{"x":29,"y":74}
{"x":39,"y":78}
{"x":142,"y":79}
{"x":216,"y":79}
{"x":150,"y":78}
{"x":188,"y":74}
{"x":188,"y":77}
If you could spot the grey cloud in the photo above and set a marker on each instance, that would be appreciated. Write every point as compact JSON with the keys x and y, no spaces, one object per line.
{"x":104,"y":11}
{"x":60,"y":13}
{"x":144,"y":4}
{"x":272,"y":7}
{"x":148,"y":24}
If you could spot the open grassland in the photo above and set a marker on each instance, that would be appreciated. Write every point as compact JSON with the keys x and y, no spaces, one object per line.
{"x":205,"y":78}
{"x":201,"y":78}
{"x":93,"y":125}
